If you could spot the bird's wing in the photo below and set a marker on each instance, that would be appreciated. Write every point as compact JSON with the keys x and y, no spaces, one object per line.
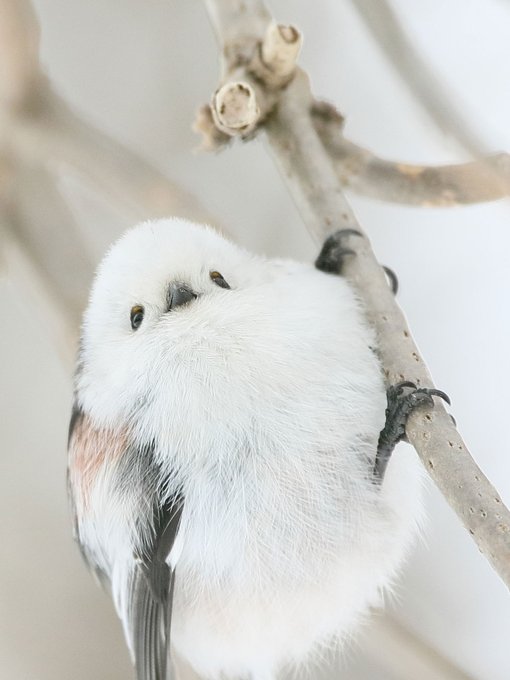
{"x":143,"y":589}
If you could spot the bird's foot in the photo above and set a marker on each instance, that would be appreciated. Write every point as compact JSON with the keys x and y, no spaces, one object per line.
{"x":332,"y":256}
{"x":402,"y":399}
{"x":333,"y":253}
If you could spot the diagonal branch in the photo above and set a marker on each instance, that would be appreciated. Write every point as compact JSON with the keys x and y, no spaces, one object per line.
{"x":314,"y":184}
{"x":39,"y":134}
{"x":51,"y":134}
{"x":44,"y":226}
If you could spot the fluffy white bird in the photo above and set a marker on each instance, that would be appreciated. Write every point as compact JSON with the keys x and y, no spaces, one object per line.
{"x":227,"y":416}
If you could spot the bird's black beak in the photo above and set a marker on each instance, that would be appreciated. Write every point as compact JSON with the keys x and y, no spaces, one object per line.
{"x":179,"y":294}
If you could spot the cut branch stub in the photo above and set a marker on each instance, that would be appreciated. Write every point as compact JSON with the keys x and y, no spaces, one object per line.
{"x":251,"y":86}
{"x":235,"y":109}
{"x":275,"y":61}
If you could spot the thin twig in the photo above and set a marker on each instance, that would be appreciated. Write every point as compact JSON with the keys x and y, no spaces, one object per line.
{"x":315,"y":187}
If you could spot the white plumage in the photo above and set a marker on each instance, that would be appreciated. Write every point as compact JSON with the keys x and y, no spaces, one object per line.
{"x":261,"y":407}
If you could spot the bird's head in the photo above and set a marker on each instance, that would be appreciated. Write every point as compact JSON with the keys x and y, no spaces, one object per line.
{"x":155,"y":296}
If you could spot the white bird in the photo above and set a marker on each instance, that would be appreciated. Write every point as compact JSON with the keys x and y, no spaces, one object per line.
{"x":222,"y":447}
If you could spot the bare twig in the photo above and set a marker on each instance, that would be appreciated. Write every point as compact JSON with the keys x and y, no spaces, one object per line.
{"x":364,"y":173}
{"x":314,"y":184}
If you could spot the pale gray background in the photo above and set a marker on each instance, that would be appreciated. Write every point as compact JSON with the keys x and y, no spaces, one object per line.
{"x":139,"y":69}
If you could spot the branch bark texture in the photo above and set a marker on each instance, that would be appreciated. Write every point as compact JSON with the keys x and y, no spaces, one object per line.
{"x":314,"y":184}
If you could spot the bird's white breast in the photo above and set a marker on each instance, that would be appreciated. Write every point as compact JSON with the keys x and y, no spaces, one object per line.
{"x":265,"y":412}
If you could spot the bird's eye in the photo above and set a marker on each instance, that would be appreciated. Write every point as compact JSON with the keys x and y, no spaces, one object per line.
{"x":136,"y":316}
{"x":219,"y":280}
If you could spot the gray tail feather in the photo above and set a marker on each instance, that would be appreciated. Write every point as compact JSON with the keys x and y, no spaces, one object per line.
{"x":151,"y":629}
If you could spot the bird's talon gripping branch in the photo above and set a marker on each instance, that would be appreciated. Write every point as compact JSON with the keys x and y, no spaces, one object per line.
{"x":401,"y":403}
{"x":333,"y":252}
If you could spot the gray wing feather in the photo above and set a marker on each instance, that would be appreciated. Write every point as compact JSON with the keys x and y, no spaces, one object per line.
{"x":148,"y":588}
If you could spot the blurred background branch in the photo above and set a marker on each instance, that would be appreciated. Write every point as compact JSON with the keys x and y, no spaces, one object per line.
{"x":39,"y":137}
{"x":382,"y":21}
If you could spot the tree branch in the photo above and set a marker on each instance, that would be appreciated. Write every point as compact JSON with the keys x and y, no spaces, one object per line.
{"x":249,"y":93}
{"x":361,"y":171}
{"x":44,"y":228}
{"x":314,"y":184}
{"x":54,"y":136}
{"x":19,"y":46}
{"x":39,"y":135}
{"x":382,"y":22}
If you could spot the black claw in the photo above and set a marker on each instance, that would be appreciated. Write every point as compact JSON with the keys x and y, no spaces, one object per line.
{"x":400,"y":386}
{"x":393,"y":279}
{"x":443,"y":395}
{"x":400,"y":406}
{"x":333,"y":252}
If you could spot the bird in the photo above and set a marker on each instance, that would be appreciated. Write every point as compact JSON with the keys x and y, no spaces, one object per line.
{"x":230,"y":443}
